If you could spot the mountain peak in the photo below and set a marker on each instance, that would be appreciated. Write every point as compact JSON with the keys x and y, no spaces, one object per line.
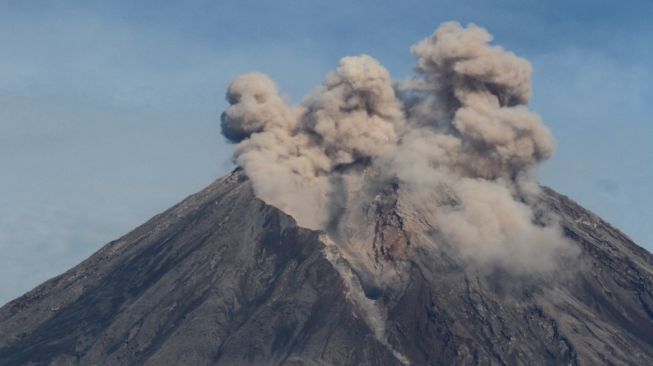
{"x":223,"y":278}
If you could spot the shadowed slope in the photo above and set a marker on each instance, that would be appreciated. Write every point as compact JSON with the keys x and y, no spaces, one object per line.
{"x":220,"y":278}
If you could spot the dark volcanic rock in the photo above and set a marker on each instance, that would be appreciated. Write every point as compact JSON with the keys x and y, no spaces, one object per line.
{"x":224,"y":279}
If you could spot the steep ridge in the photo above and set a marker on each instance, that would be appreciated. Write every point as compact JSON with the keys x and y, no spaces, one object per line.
{"x":220,"y":278}
{"x":224,"y":279}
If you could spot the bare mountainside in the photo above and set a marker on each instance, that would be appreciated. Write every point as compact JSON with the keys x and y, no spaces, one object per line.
{"x":224,"y":279}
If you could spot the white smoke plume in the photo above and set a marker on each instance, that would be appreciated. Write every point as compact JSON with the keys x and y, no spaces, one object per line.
{"x":457,"y":142}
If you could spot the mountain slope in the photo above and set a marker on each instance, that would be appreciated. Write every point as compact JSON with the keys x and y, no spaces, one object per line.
{"x":224,"y":279}
{"x":221,"y":277}
{"x":599,"y":313}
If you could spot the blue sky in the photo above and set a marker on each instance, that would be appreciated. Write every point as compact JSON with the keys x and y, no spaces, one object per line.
{"x":109,"y":110}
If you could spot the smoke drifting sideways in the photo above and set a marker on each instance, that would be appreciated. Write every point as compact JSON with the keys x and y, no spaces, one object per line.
{"x":458,"y":140}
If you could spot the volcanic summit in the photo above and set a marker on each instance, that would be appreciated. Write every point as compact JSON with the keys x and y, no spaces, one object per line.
{"x":377,"y":222}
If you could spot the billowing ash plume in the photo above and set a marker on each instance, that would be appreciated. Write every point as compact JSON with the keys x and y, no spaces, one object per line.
{"x":477,"y":94}
{"x":457,"y":143}
{"x":290,"y":153}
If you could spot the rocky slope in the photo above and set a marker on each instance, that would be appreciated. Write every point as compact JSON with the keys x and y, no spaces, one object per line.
{"x":224,"y":279}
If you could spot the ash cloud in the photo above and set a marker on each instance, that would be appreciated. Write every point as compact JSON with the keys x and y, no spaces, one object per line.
{"x":292,"y":153}
{"x":458,"y":142}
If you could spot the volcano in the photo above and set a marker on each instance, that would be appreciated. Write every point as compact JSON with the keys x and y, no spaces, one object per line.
{"x":377,"y":222}
{"x":223,"y":278}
